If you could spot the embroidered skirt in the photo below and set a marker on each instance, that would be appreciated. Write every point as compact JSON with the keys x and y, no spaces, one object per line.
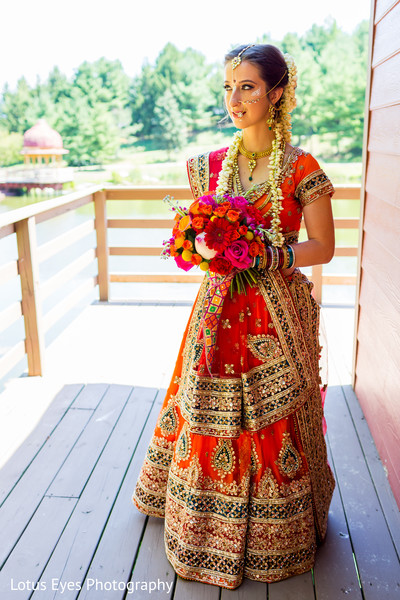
{"x":237,"y":462}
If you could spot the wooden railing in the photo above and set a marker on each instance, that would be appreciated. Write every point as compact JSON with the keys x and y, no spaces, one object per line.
{"x":23,"y":223}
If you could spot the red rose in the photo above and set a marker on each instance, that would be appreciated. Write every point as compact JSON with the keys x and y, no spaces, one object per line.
{"x":220,"y":265}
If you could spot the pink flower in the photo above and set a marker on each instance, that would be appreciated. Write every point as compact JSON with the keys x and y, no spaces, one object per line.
{"x":238,"y":254}
{"x":183,"y":264}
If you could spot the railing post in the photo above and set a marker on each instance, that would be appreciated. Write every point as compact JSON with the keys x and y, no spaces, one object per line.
{"x":100,"y":212}
{"x":316,"y":278}
{"x":29,"y":275}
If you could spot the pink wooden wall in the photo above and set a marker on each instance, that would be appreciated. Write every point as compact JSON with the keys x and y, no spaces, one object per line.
{"x":377,"y":356}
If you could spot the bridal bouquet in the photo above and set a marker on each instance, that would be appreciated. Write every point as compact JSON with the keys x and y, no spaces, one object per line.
{"x":222,"y":235}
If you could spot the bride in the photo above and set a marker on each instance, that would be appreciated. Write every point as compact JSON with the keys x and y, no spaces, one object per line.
{"x":237,"y":463}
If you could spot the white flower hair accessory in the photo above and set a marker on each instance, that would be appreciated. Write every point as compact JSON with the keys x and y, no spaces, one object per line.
{"x":288,"y":100}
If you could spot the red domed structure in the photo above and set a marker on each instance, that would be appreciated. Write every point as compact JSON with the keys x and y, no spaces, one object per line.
{"x":42,"y":135}
{"x":42,"y":142}
{"x":43,"y":165}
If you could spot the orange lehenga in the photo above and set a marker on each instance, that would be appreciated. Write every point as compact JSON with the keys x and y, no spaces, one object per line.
{"x":237,"y":464}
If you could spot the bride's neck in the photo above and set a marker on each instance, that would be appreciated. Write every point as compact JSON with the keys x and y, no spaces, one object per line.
{"x":257,"y":139}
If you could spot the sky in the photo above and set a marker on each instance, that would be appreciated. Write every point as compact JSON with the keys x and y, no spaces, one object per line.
{"x":39,"y":34}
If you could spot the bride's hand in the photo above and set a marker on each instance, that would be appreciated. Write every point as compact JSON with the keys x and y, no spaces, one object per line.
{"x":287,"y":272}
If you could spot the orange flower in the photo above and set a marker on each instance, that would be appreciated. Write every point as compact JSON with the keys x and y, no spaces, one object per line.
{"x":221,"y":209}
{"x":233,"y":215}
{"x":179,"y":241}
{"x":184,"y":223}
{"x":187,"y":245}
{"x":194,"y":208}
{"x":235,"y":235}
{"x":206,"y":209}
{"x":242,"y":230}
{"x":172,"y":250}
{"x":196,"y":259}
{"x":254,"y":249}
{"x":198,"y":223}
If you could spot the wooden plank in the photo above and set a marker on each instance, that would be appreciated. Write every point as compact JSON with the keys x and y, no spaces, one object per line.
{"x":256,"y":590}
{"x":49,"y":249}
{"x":366,"y":136}
{"x":77,"y":545}
{"x":382,"y":8}
{"x":34,"y":548}
{"x":385,"y":89}
{"x":195,"y":590}
{"x":49,"y":208}
{"x":28,"y":267}
{"x":316,"y":278}
{"x":346,"y":192}
{"x":386,"y":42}
{"x":91,"y":395}
{"x":383,"y":266}
{"x":346,"y":251}
{"x":338,"y":279}
{"x":152,"y":564}
{"x":62,"y":209}
{"x":346,"y":223}
{"x":156,"y":277}
{"x":294,"y":588}
{"x":16,"y":466}
{"x":383,"y":179}
{"x":11,"y":358}
{"x":382,"y":222}
{"x":379,"y":405}
{"x":181,"y":192}
{"x":383,"y":122}
{"x":125,"y":524}
{"x":140,"y":223}
{"x":375,"y":554}
{"x":68,"y":302}
{"x":335,"y":573}
{"x":70,"y":481}
{"x":9,"y":315}
{"x":386,"y":499}
{"x":24,"y":499}
{"x":7,"y":230}
{"x":135,"y":250}
{"x":65,"y":274}
{"x":8,"y":271}
{"x":100,"y":208}
{"x":385,"y":314}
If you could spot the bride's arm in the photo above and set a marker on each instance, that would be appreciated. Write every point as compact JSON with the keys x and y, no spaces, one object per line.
{"x":320,"y":246}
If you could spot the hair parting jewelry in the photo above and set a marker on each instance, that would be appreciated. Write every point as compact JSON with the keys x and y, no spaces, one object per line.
{"x":238,"y":59}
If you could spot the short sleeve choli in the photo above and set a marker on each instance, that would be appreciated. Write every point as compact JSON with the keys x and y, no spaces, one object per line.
{"x":311,"y":182}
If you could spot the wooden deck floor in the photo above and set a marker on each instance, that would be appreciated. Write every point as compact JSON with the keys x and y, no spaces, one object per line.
{"x":67,"y":525}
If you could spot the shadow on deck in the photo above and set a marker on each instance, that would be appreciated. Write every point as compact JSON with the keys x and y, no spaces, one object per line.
{"x":66,"y":516}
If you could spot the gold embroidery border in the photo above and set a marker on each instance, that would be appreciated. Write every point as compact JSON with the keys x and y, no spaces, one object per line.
{"x":199,"y":174}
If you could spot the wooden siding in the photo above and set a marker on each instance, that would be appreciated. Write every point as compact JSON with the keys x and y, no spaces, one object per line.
{"x":377,"y":355}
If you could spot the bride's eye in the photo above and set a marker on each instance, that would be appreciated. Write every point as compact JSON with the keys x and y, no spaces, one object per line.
{"x":227,"y":87}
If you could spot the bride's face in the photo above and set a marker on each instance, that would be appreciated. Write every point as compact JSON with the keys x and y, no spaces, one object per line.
{"x":245,"y":95}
